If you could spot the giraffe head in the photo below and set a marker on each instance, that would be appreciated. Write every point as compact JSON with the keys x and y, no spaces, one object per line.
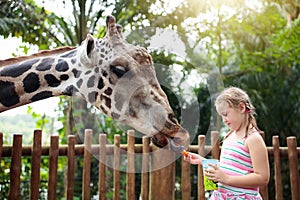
{"x":126,"y":88}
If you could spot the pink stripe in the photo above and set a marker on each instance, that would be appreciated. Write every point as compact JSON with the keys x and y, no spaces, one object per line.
{"x":224,"y":190}
{"x":238,"y":166}
{"x":240,"y":147}
{"x":237,"y":156}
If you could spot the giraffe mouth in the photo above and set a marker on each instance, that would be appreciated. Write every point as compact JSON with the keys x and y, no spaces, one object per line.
{"x":176,"y":144}
{"x":160,"y":140}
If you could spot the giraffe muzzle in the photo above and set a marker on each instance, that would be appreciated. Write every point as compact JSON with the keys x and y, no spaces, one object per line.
{"x":177,"y":143}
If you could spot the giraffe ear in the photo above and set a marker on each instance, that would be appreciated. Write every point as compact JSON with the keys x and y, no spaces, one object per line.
{"x":87,"y":47}
{"x":120,"y":29}
{"x":90,"y":44}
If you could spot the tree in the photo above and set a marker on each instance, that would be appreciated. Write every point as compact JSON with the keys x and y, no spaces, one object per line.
{"x":290,"y":10}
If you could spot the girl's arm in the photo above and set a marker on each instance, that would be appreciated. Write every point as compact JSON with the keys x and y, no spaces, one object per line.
{"x":259,"y":157}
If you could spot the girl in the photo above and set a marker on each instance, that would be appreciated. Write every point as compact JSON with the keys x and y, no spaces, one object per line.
{"x":243,"y":165}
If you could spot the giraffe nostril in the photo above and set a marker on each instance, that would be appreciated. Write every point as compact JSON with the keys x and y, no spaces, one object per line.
{"x":172,"y":118}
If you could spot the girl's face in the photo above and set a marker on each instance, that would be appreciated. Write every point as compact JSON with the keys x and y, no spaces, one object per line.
{"x":234,"y":118}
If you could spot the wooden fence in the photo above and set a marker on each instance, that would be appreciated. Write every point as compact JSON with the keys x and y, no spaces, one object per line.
{"x":158,"y":184}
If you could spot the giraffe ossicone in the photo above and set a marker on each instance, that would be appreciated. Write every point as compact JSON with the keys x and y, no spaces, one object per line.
{"x":116,"y":77}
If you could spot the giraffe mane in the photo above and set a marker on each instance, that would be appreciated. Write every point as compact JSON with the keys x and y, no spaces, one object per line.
{"x":43,"y":53}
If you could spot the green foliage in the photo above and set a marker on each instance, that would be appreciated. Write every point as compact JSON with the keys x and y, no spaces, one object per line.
{"x":25,"y":19}
{"x":42,"y":120}
{"x":25,"y":177}
{"x":285,"y":51}
{"x":5,"y":176}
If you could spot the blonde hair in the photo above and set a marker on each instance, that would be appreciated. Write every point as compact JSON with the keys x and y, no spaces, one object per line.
{"x":233,"y":96}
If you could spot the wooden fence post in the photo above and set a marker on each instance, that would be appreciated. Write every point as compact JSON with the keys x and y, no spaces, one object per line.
{"x":185,"y":179}
{"x":35,"y":163}
{"x":162,"y":175}
{"x":117,"y":160}
{"x":86,"y":179}
{"x":215,"y":144}
{"x":71,"y":167}
{"x":53,"y":157}
{"x":102,"y":166}
{"x":145,"y":168}
{"x":293,"y":161}
{"x":277,"y":169}
{"x":201,"y":191}
{"x":15,"y":168}
{"x":130,"y":174}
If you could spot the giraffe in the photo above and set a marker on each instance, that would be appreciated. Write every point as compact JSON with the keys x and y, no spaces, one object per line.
{"x":114,"y":76}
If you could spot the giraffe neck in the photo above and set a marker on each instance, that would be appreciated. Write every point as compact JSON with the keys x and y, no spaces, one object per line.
{"x":37,"y":79}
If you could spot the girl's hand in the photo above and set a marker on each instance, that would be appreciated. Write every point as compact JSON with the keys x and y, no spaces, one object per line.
{"x":193,"y":158}
{"x":215,"y":174}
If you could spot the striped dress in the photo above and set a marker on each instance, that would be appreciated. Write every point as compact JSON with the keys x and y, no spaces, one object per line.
{"x":235,"y":160}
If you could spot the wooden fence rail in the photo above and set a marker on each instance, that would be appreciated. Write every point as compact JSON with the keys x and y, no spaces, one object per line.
{"x":154,"y":184}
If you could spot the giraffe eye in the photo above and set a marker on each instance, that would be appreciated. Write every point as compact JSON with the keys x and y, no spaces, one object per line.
{"x":118,"y":70}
